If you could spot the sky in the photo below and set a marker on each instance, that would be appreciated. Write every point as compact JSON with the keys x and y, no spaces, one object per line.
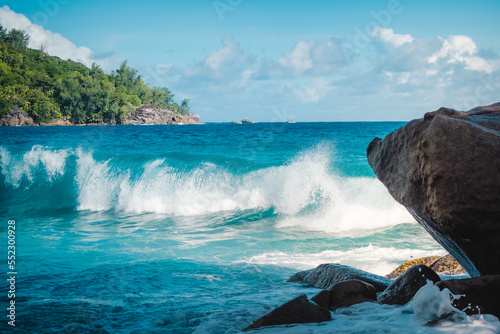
{"x":274,"y":61}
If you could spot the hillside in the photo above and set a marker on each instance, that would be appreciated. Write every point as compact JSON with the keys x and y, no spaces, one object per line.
{"x":50,"y":89}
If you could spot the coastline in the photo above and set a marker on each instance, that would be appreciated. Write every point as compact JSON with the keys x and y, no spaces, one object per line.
{"x":146,"y":114}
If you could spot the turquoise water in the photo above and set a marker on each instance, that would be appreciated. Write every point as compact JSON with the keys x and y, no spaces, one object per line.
{"x":195,"y":228}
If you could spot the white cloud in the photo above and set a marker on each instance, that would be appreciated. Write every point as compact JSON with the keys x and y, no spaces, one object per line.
{"x":395,"y":70}
{"x":459,"y":48}
{"x":228,"y":63}
{"x":387,"y":35}
{"x":298,"y":60}
{"x":57,"y":45}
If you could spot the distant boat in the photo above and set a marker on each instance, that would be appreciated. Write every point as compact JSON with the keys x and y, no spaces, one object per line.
{"x":237,"y":122}
{"x":290,"y":122}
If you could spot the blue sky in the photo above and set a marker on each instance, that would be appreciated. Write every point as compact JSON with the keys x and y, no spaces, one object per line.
{"x":280,"y":60}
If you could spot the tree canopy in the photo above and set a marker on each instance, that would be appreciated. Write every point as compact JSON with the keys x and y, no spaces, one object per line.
{"x":49,"y":88}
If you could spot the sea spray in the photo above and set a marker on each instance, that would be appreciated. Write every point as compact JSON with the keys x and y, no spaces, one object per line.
{"x":306,"y":191}
{"x":36,"y":165}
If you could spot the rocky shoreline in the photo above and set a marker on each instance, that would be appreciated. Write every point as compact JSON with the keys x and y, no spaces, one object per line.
{"x":444,"y":168}
{"x":143,"y":115}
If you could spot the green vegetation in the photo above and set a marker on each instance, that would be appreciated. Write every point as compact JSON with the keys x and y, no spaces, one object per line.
{"x":49,"y":88}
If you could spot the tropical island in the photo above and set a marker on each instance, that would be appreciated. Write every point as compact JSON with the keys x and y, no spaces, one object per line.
{"x":39,"y":89}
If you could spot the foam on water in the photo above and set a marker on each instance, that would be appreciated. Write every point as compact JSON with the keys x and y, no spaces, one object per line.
{"x":431,"y":303}
{"x":154,"y":234}
{"x":306,"y":191}
{"x":48,"y":162}
{"x":374,"y":259}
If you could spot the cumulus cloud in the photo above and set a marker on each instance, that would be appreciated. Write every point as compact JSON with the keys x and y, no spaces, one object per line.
{"x":392,"y":70}
{"x":387,"y":35}
{"x":461,"y":49}
{"x":333,"y":79}
{"x":56,"y":44}
{"x":230,"y":62}
{"x":298,"y":61}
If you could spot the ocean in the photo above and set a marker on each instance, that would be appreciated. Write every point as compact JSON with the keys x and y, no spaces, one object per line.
{"x":196,"y":228}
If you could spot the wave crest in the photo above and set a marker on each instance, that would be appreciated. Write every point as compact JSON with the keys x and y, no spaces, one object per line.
{"x":305,"y":193}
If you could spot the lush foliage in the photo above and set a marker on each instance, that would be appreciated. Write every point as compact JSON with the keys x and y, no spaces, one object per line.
{"x":49,"y":88}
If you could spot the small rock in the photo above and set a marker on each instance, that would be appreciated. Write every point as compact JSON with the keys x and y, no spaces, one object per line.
{"x":479,"y":294}
{"x":402,"y":290}
{"x":352,"y":292}
{"x":328,"y":274}
{"x":298,"y":310}
{"x":323,"y":299}
{"x":447,"y":265}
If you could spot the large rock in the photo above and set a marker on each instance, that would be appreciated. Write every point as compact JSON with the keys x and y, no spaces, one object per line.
{"x":477,"y":295}
{"x":148,"y":114}
{"x":441,"y":265}
{"x":16,"y":118}
{"x":326,"y":275}
{"x":297,"y":311}
{"x":444,"y":169}
{"x":406,"y":286}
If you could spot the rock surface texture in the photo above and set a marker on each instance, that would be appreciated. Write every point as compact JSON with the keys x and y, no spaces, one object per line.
{"x":149,"y":114}
{"x":402,"y":290}
{"x":297,"y":310}
{"x":16,"y":118}
{"x":477,"y":295}
{"x":442,"y":265}
{"x":348,"y":293}
{"x":444,"y":169}
{"x":326,"y":275}
{"x":447,"y":265}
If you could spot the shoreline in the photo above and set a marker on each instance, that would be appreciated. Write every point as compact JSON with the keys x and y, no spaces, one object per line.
{"x":146,"y":114}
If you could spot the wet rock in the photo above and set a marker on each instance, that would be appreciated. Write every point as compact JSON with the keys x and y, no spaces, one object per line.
{"x":402,"y":290}
{"x":352,"y":292}
{"x":345,"y":294}
{"x":298,"y":310}
{"x":444,"y":169}
{"x":300,"y":276}
{"x":478,"y":294}
{"x":329,"y":274}
{"x":323,"y":299}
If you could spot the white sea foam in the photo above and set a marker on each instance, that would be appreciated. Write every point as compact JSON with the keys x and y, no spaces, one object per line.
{"x":15,"y":169}
{"x":430,"y":303}
{"x":374,"y":318}
{"x":306,"y":192}
{"x":353,"y":204}
{"x":374,"y":259}
{"x":97,"y":184}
